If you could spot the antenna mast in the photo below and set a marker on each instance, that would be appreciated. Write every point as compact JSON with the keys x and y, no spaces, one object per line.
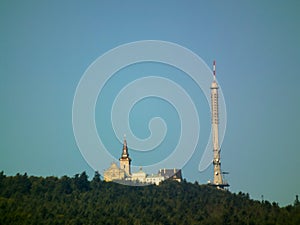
{"x":218,"y":175}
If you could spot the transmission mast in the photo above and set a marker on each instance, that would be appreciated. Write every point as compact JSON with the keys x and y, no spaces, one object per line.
{"x":218,"y":175}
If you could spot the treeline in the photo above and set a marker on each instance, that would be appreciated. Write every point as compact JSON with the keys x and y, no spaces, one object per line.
{"x":37,"y":200}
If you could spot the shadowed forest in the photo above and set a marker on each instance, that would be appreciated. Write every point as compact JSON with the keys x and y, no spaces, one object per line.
{"x":77,"y":200}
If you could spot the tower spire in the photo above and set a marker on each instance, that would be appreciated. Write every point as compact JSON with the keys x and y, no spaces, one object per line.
{"x":125,"y":148}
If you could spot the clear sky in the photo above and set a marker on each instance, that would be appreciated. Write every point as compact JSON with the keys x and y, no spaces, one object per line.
{"x":46,"y":46}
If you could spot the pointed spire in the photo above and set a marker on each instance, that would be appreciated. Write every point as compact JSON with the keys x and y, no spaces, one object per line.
{"x":125,"y":149}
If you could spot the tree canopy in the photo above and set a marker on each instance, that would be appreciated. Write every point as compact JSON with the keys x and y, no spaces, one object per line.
{"x":51,"y":200}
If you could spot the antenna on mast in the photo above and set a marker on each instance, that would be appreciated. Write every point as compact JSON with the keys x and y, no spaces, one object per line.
{"x":214,"y":69}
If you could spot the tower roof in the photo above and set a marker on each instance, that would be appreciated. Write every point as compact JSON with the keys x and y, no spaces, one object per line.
{"x":125,"y":153}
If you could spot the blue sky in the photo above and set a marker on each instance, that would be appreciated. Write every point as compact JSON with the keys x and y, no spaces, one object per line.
{"x":45,"y":48}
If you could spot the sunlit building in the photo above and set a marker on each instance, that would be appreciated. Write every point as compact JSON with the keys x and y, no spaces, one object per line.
{"x":115,"y":173}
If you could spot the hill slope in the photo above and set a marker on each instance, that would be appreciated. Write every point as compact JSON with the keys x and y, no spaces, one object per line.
{"x":52,"y":200}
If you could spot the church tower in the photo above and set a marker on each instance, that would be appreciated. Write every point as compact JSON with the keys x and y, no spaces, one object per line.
{"x":125,"y":161}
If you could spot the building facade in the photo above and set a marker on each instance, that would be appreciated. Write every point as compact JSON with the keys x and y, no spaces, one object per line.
{"x":115,"y":173}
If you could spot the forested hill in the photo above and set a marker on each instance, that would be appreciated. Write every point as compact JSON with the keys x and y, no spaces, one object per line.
{"x":76,"y":200}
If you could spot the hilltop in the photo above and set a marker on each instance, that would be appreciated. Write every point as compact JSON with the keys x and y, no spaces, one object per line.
{"x":51,"y":200}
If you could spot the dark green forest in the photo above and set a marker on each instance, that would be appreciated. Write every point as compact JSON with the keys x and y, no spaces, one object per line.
{"x":78,"y":200}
